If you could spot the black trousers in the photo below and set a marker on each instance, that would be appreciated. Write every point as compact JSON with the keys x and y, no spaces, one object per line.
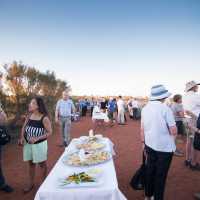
{"x":135,"y":113}
{"x":84,"y":110}
{"x":157,"y":167}
{"x":2,"y":179}
{"x":91,"y":111}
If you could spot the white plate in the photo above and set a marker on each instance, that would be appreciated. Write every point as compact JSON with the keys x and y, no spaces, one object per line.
{"x":65,"y":158}
{"x":98,"y":181}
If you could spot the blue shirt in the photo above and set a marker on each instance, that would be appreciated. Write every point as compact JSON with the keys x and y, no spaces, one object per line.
{"x":111,"y":106}
{"x":65,"y":107}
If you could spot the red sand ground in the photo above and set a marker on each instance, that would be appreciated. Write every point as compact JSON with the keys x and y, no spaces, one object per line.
{"x":181,"y":184}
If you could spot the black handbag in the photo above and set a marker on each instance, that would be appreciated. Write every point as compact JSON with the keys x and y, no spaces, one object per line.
{"x":4,"y":136}
{"x":196,"y":143}
{"x":138,"y":179}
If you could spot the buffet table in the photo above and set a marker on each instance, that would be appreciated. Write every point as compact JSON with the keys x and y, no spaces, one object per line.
{"x":108,"y":190}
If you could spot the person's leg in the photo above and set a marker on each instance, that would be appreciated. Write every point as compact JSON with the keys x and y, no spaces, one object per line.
{"x":122,"y":117}
{"x":150,"y":172}
{"x":67,"y":131}
{"x":188,"y":151}
{"x":91,"y":110}
{"x":194,"y":157}
{"x":2,"y":179}
{"x":63,"y":136}
{"x":134,"y":113}
{"x":162,"y":168}
{"x":119,"y":117}
{"x":83,"y":111}
{"x":125,"y":120}
{"x":31,"y":176}
{"x":43,"y":167}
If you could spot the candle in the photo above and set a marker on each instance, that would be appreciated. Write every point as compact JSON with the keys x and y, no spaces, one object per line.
{"x":91,"y":133}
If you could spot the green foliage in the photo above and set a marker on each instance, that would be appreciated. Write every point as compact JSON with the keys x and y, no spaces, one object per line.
{"x":22,"y":83}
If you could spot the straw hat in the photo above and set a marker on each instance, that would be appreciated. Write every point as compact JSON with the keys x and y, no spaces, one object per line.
{"x":190,"y":85}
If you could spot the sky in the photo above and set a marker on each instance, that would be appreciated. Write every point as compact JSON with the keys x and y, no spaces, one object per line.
{"x":105,"y":47}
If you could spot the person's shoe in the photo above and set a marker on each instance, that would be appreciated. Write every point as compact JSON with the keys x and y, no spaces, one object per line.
{"x":28,"y":189}
{"x":178,"y":153}
{"x":7,"y":189}
{"x":197,"y":196}
{"x":187,"y":163}
{"x":195,"y":167}
{"x":65,"y":144}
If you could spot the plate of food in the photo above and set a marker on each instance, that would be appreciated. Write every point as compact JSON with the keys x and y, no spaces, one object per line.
{"x":91,"y":178}
{"x":90,"y":145}
{"x":88,"y":159}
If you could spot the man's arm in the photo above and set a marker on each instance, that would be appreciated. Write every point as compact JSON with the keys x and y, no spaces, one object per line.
{"x":171,"y":122}
{"x":73,"y":108}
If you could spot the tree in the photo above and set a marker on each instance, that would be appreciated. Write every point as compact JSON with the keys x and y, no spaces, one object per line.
{"x":25,"y":82}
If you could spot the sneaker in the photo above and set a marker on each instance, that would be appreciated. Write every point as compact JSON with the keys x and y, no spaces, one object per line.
{"x":197,"y":196}
{"x":178,"y":153}
{"x":7,"y":189}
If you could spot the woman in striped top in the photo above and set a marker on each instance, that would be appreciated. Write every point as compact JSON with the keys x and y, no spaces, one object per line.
{"x":34,"y":134}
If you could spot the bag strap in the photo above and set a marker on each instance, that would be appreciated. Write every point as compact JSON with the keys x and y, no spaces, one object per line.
{"x":143,"y":157}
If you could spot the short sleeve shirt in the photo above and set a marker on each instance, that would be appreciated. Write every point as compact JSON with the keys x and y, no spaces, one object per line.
{"x":156,"y":120}
{"x":176,"y":108}
{"x":191,"y":102}
{"x":65,"y":107}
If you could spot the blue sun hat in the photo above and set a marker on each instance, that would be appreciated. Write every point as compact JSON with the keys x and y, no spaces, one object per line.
{"x":159,"y":92}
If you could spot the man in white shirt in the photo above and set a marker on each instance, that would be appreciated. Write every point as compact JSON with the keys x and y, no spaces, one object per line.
{"x":191,"y":104}
{"x":135,"y":106}
{"x":158,"y":132}
{"x":121,"y":111}
{"x":191,"y":99}
{"x":64,"y":109}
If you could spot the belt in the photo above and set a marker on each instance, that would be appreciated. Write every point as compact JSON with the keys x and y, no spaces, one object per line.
{"x":65,"y":116}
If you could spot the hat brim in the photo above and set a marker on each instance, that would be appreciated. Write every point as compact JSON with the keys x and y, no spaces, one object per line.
{"x":163,"y":96}
{"x":187,"y":89}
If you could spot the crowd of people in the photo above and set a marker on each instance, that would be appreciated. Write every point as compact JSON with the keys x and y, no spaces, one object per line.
{"x":163,"y":124}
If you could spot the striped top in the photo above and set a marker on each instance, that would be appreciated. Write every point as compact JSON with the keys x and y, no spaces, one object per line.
{"x":34,"y":128}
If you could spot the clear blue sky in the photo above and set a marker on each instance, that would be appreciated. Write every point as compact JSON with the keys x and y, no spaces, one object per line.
{"x":105,"y":47}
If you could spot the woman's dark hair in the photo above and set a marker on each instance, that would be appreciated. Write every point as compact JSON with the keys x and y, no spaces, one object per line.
{"x":177,"y":97}
{"x":41,"y":106}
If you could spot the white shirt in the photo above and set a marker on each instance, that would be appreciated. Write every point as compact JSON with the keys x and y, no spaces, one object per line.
{"x":120,"y":105}
{"x":135,"y":104}
{"x":156,"y":120}
{"x":191,"y":102}
{"x":65,"y":107}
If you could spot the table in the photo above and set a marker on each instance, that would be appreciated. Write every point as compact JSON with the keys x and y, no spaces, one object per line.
{"x":49,"y":190}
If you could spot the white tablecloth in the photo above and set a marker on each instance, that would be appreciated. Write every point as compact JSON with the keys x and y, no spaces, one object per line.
{"x":109,"y":190}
